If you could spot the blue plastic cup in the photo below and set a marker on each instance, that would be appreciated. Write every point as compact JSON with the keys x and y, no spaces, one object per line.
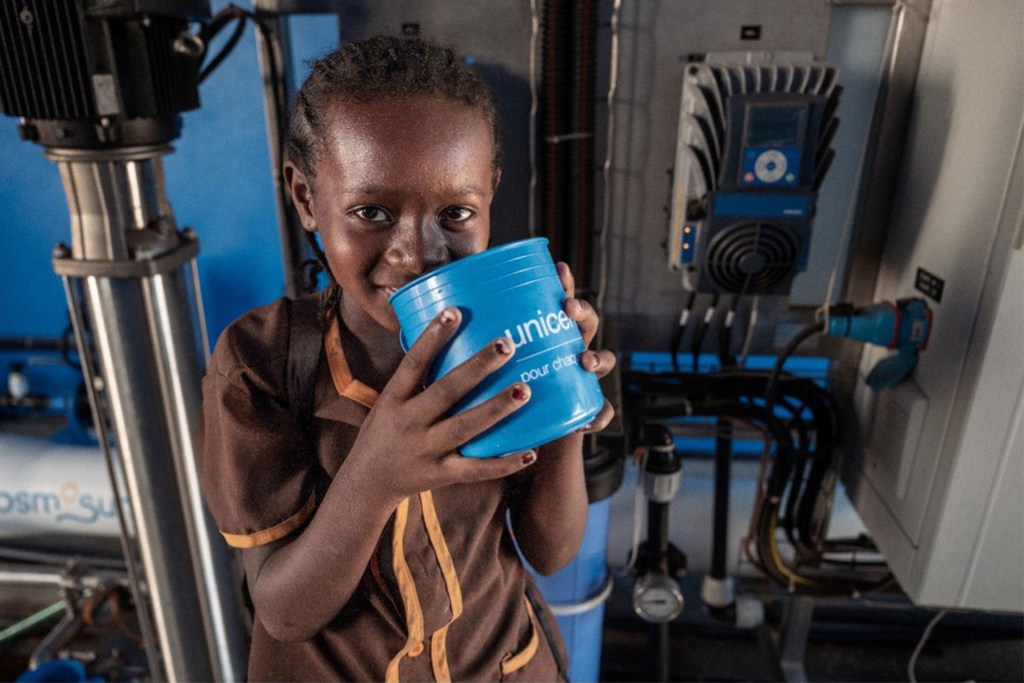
{"x":509,"y":291}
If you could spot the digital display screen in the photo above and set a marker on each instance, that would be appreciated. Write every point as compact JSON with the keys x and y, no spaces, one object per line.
{"x":774,"y":126}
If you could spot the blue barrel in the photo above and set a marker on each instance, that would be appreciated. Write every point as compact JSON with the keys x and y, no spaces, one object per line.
{"x":577,"y":593}
{"x":509,"y":291}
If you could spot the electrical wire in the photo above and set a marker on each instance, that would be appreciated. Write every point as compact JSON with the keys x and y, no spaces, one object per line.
{"x":748,"y":336}
{"x":725,"y":357}
{"x":702,"y":330}
{"x":799,"y":338}
{"x":766,"y":454}
{"x":613,"y":80}
{"x":240,"y":21}
{"x":732,"y":395}
{"x":638,"y":518}
{"x":912,"y":664}
{"x":680,"y":331}
{"x":771,"y":542}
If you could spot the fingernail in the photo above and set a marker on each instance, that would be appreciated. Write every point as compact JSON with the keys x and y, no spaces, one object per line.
{"x":519,"y":392}
{"x":597,"y":359}
{"x":448,"y":316}
{"x":573,"y":306}
{"x":585,"y":427}
{"x":502,"y":347}
{"x":529,"y":457}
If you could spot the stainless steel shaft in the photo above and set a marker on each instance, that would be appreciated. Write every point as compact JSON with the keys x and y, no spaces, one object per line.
{"x":130,"y":258}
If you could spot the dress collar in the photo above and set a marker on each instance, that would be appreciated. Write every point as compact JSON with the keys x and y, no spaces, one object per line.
{"x":346,"y":385}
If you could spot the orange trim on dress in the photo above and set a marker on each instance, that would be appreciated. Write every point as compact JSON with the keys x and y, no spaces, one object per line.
{"x":510,"y":662}
{"x":438,"y":648}
{"x":274,"y":533}
{"x":407,"y":588}
{"x":347,"y":385}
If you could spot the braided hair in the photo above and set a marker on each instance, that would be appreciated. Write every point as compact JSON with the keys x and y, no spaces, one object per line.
{"x":378,"y":68}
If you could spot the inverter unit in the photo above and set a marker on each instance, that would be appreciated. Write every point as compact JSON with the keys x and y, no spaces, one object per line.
{"x":752,"y":151}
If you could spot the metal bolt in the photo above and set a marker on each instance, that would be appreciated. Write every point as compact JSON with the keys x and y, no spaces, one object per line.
{"x":61,"y":251}
{"x":188,"y":44}
{"x":26,"y":17}
{"x":97,"y":383}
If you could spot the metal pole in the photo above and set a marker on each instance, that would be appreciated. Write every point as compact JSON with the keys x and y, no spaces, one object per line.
{"x":115,"y":470}
{"x":130,"y":258}
{"x":723,"y":475}
{"x":274,"y":50}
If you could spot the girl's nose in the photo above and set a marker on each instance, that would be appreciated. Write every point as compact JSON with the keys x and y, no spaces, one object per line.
{"x":419,"y":246}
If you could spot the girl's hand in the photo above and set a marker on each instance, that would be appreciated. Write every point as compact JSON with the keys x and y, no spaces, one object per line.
{"x":408,"y":445}
{"x":600,"y":361}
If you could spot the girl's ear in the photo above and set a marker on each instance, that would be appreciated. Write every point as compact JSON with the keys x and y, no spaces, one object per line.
{"x":301,"y":191}
{"x":497,"y":179}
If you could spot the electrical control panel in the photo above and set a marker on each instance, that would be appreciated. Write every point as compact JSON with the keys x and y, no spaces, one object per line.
{"x":752,"y":151}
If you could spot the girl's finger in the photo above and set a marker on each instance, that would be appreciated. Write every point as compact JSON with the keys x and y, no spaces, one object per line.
{"x":458,"y":429}
{"x":565,"y":276}
{"x":580,"y":311}
{"x":598,"y":362}
{"x":440,"y":396}
{"x":409,"y":376}
{"x":601,"y":421}
{"x":461,"y":469}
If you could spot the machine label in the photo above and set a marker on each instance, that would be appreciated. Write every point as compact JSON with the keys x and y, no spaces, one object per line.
{"x":67,"y":504}
{"x":930,"y":285}
{"x":763,"y":205}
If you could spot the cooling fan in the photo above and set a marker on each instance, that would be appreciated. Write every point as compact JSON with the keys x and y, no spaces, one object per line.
{"x":752,"y":151}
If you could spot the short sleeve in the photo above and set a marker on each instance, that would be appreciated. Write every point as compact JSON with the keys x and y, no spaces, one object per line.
{"x":257,"y":466}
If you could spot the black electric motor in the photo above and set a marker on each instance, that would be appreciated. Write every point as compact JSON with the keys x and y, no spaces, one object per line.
{"x":96,"y":74}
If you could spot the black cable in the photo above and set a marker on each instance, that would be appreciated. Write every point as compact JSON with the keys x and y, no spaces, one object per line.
{"x":676,"y":342}
{"x":747,"y":411}
{"x":797,"y":395}
{"x":240,"y":22}
{"x":702,"y":330}
{"x":808,"y":331}
{"x":802,"y":454}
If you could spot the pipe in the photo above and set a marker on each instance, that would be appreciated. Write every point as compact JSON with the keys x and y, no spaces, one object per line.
{"x":30,"y":622}
{"x":723,"y":473}
{"x":658,"y":641}
{"x":273,"y":48}
{"x":657,"y":536}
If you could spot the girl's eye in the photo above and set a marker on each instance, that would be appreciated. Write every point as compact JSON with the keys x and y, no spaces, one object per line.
{"x":374,"y":214}
{"x":456,"y":214}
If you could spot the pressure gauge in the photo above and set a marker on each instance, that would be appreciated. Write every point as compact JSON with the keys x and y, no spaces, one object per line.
{"x":657,"y":598}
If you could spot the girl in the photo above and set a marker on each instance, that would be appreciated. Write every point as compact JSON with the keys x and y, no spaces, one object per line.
{"x":373,"y":550}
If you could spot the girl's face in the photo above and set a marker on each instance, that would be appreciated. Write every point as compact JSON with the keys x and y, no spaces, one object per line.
{"x":403,"y":186}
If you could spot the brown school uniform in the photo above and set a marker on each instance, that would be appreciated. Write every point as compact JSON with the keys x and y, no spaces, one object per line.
{"x":445,"y":596}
